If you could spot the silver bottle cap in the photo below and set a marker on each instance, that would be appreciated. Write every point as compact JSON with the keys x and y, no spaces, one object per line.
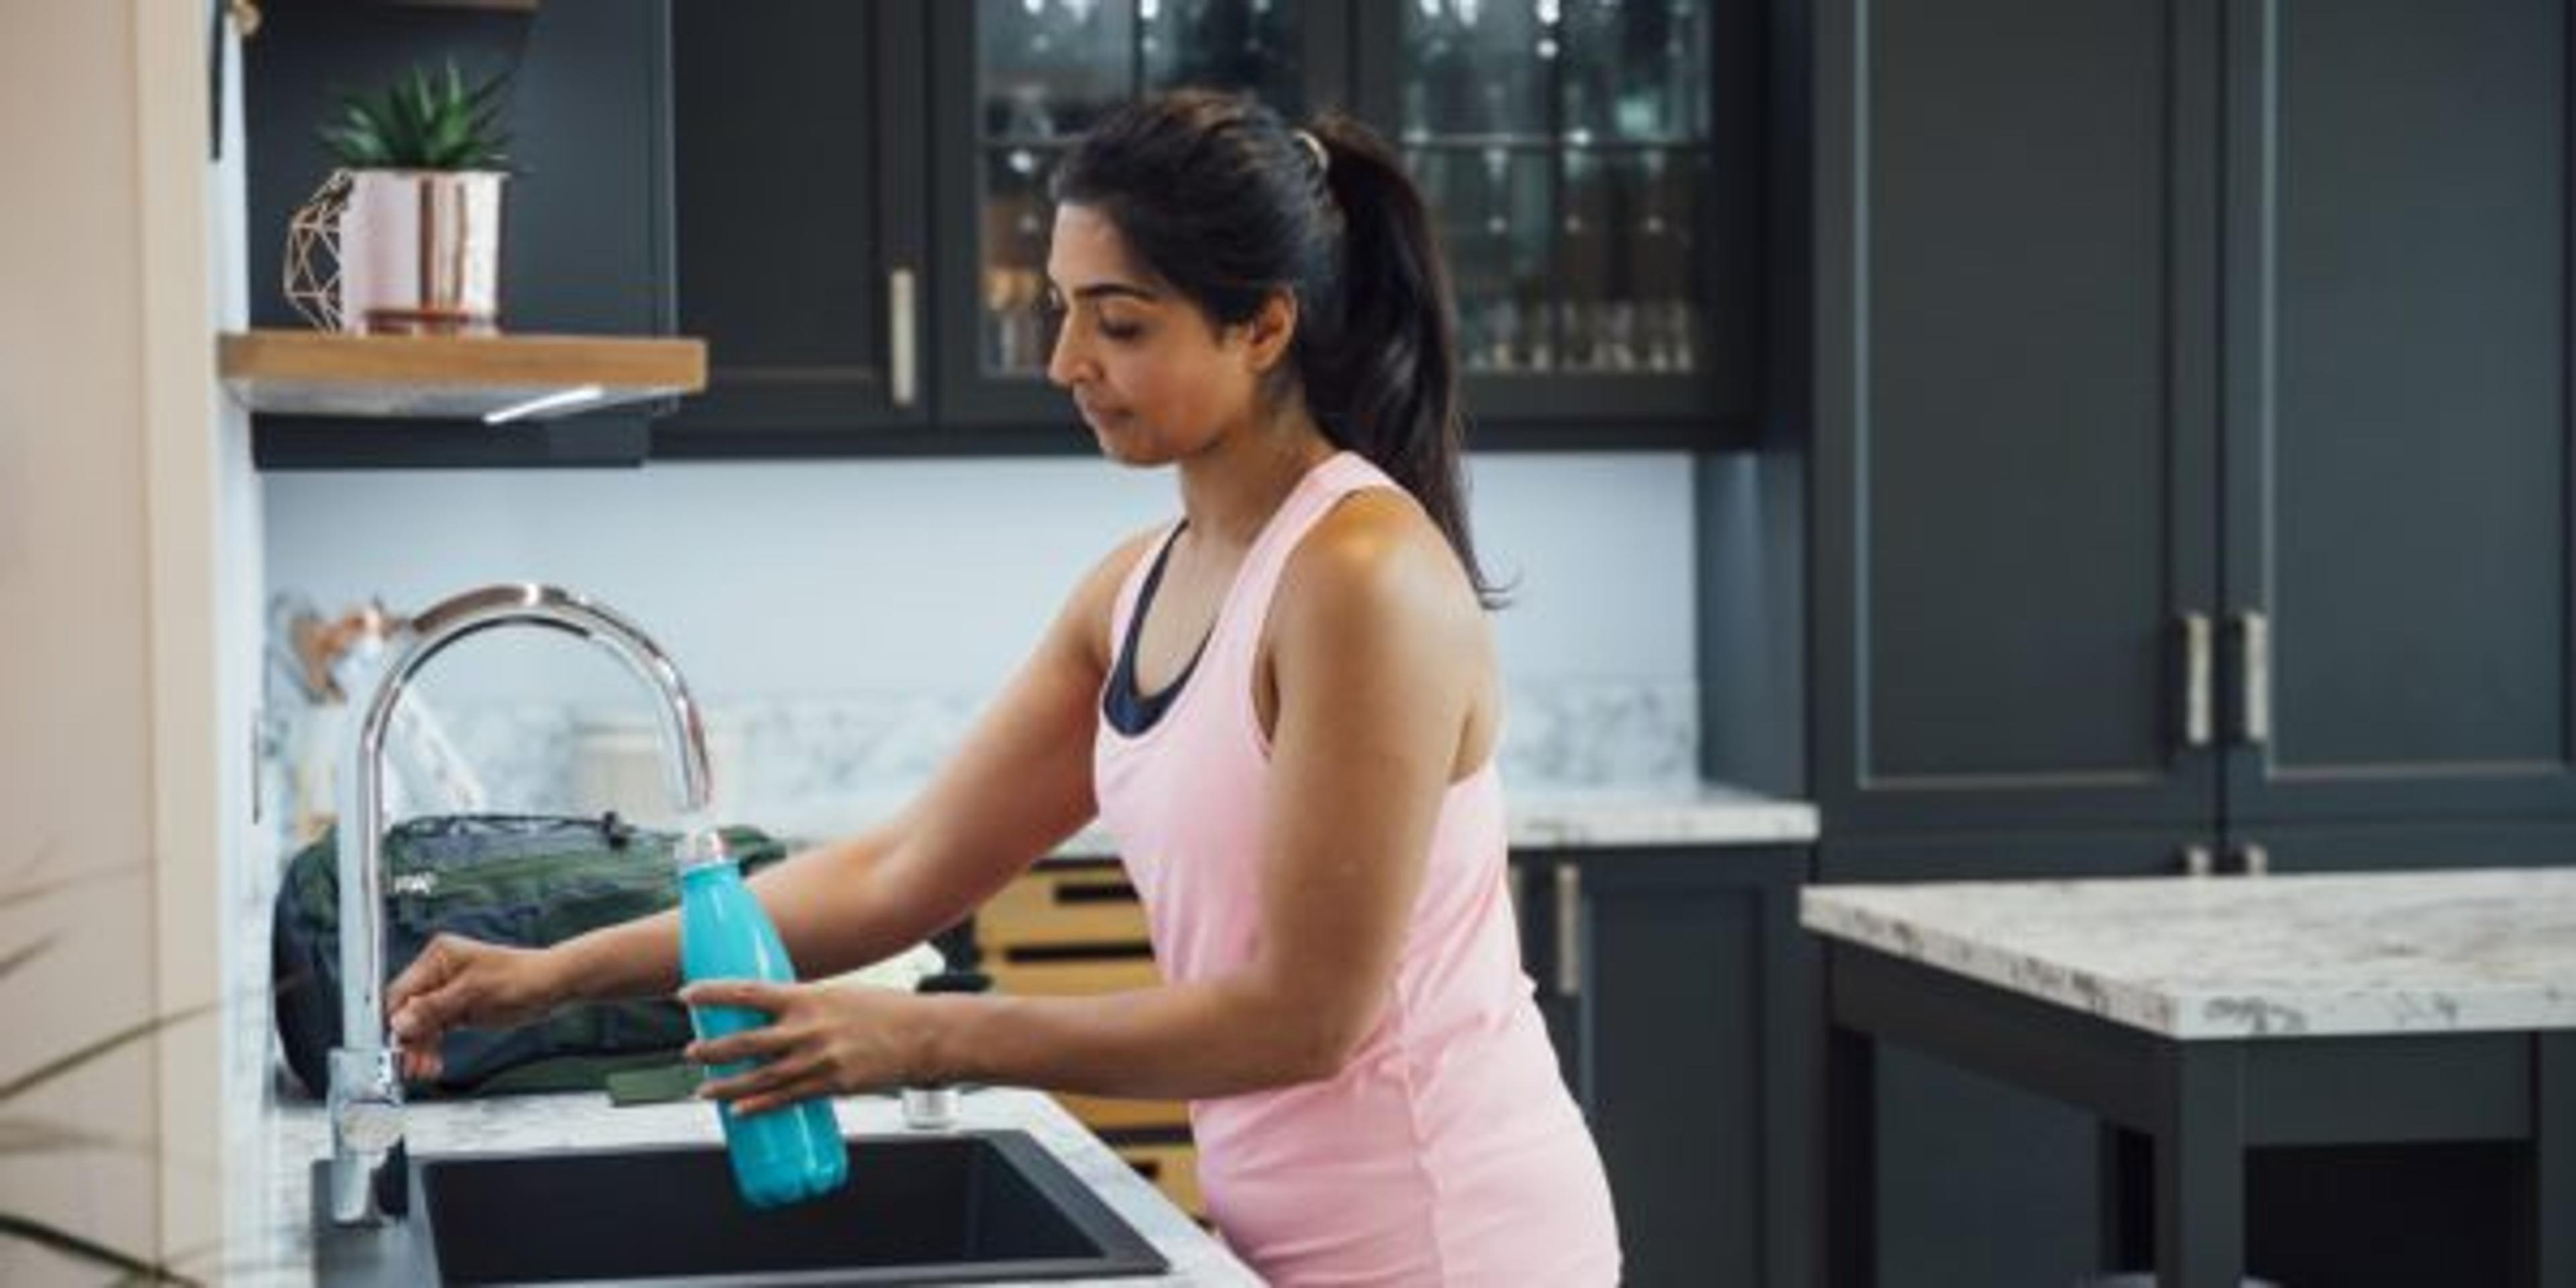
{"x":700,"y":847}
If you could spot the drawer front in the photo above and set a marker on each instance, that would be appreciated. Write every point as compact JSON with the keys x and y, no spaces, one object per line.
{"x":1080,"y":978}
{"x":1087,"y":906}
{"x":1075,"y":930}
{"x":1173,"y":1168}
{"x":1074,"y":977}
{"x":1106,"y":1114}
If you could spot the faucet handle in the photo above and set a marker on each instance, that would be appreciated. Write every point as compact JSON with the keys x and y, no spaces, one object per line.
{"x":366,"y":1126}
{"x":366,"y":1099}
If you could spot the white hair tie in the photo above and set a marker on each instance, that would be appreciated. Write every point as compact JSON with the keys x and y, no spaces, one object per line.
{"x":1315,"y":146}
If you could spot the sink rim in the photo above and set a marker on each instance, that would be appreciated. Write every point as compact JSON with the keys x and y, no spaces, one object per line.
{"x":404,"y":1250}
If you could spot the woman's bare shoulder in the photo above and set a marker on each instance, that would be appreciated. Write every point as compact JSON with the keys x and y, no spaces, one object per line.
{"x":1378,"y":556}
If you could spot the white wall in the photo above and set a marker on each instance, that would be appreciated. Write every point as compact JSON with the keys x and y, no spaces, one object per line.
{"x":114,"y":778}
{"x":782,"y":579}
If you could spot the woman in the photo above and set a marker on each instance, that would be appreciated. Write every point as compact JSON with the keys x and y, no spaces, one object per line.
{"x":1285,"y":706}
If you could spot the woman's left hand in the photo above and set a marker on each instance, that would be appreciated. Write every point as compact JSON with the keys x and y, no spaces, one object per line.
{"x":822,"y":1039}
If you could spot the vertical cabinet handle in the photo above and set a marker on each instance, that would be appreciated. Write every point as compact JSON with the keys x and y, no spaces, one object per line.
{"x":2254,"y":655}
{"x":2198,"y":861}
{"x":1569,"y":930}
{"x":2198,"y":722}
{"x":903,"y":339}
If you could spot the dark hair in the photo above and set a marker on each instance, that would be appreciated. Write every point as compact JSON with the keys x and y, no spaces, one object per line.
{"x":1226,"y":202}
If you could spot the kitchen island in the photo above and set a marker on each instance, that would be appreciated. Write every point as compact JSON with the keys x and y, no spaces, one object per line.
{"x":2221,"y":1015}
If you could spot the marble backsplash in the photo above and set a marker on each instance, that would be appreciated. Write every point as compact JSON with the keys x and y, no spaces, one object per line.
{"x":777,"y":758}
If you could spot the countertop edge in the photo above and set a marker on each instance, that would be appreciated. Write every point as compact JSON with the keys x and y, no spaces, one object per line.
{"x":2256,"y":1007}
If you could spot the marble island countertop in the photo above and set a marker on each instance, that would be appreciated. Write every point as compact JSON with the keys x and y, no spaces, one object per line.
{"x":277,"y":1174}
{"x":2307,"y":955}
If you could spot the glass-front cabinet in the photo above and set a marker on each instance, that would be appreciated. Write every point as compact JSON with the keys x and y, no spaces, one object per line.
{"x":1591,"y":164}
{"x":866,"y":286}
{"x":1041,"y":71}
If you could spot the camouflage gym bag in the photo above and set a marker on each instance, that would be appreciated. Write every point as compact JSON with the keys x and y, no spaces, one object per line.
{"x":525,"y":880}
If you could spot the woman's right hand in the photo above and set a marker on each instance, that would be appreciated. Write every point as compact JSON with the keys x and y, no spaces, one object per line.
{"x":460,"y":983}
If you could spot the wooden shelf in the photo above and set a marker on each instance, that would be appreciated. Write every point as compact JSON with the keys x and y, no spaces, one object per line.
{"x":496,"y":379}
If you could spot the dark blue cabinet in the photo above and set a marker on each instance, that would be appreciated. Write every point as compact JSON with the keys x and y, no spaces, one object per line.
{"x":2014,"y":412}
{"x":2190,"y":481}
{"x":2398,"y":508}
{"x":2177,"y":459}
{"x":1681,"y":997}
{"x":802,"y":238}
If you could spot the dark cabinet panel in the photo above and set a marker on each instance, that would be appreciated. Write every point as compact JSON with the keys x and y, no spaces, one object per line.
{"x":2015,"y":436}
{"x":2398,"y":415}
{"x":2012,"y":854}
{"x":586,"y":238}
{"x":2043,"y":233}
{"x":1681,"y":994}
{"x":795,"y":139}
{"x":589,"y":248}
{"x":2382,"y":847}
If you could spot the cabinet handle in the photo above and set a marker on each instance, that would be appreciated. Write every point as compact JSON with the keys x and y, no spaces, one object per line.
{"x":2197,"y":861}
{"x":1569,"y":930}
{"x":2254,"y":654}
{"x":903,"y":339}
{"x":2254,"y":860}
{"x":2197,"y":722}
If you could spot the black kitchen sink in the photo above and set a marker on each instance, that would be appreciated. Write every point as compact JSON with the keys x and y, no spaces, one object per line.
{"x":964,"y":1208}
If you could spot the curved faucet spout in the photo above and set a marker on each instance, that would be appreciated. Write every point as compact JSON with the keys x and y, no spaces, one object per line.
{"x":365,"y":1094}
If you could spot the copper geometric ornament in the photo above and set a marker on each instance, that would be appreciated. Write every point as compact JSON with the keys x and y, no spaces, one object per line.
{"x":312,"y":279}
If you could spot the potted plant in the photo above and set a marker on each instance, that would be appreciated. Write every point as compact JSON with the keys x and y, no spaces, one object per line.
{"x":413,"y":214}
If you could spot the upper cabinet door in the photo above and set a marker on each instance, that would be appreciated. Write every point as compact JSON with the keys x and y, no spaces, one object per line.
{"x":2398,"y":507}
{"x":1591,"y":166}
{"x":801,"y":239}
{"x":1018,"y":81}
{"x":2015,"y":407}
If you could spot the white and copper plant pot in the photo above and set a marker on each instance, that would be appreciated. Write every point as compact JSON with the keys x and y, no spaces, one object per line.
{"x":420,"y":252}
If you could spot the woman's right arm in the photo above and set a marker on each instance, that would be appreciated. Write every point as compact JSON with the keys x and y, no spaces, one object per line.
{"x":1019,"y":784}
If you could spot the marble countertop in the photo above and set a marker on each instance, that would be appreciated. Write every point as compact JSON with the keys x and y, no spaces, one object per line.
{"x":1606,"y":763}
{"x":275,"y":1177}
{"x":2306,"y":955}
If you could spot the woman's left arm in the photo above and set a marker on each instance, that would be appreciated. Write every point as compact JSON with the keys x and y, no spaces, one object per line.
{"x":1372,"y":621}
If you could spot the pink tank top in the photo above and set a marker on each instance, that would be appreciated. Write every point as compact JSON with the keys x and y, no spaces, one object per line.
{"x":1447,"y":1151}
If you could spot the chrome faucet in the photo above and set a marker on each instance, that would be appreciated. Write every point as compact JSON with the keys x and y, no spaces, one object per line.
{"x":366,"y":1089}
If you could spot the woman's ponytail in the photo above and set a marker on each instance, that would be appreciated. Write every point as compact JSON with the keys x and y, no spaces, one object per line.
{"x":1382,"y":376}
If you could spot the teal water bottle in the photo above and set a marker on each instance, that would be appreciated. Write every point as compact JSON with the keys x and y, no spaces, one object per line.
{"x":787,"y":1154}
